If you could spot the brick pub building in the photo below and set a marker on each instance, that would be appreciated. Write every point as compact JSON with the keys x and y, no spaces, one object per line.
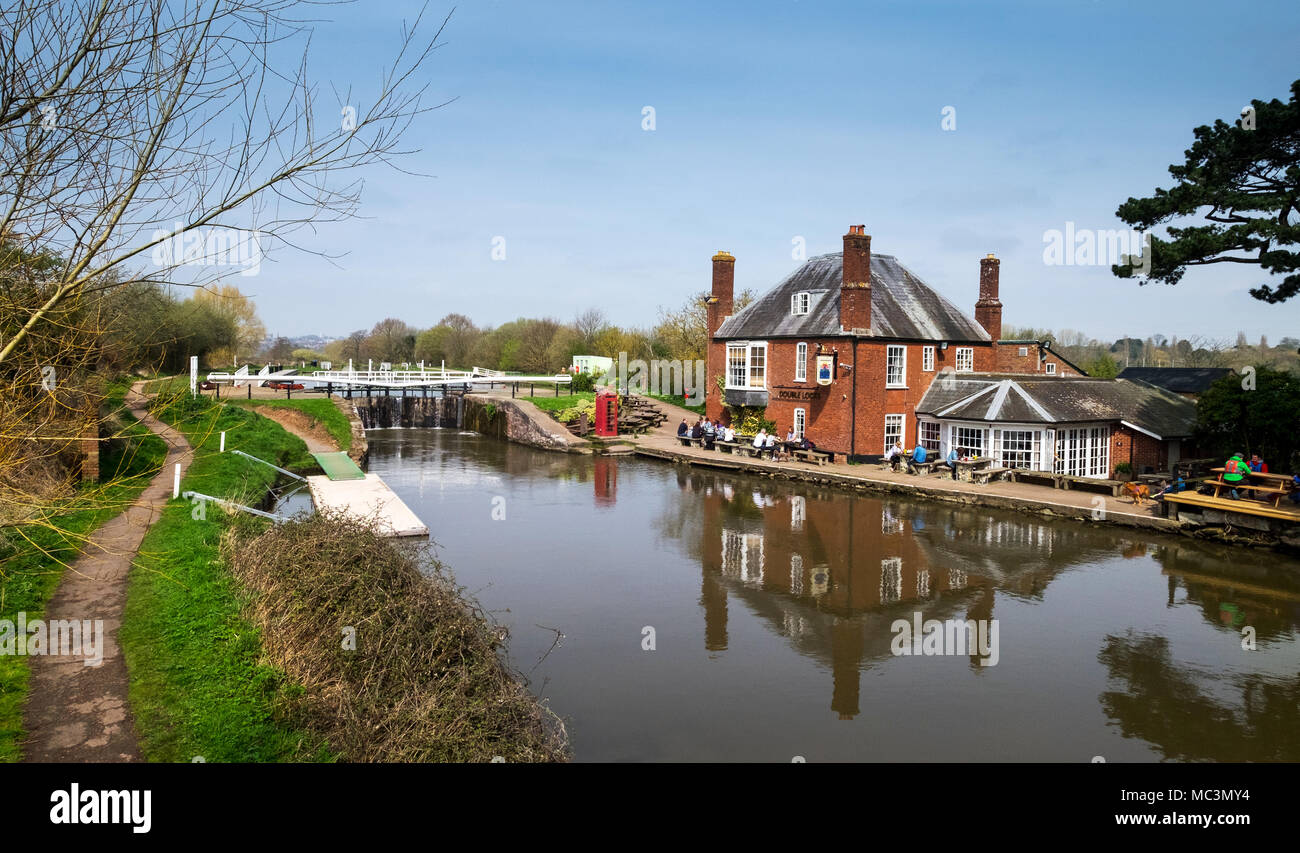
{"x":846,"y":348}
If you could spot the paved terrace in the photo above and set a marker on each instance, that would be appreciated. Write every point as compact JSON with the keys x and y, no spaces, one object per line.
{"x":662,"y":443}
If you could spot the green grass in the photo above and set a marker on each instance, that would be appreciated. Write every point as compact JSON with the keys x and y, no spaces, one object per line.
{"x":322,"y":410}
{"x":33,"y":556}
{"x":198,"y":686}
{"x":564,"y":401}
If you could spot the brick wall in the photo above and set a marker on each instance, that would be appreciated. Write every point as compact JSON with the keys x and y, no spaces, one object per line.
{"x":1009,"y":360}
{"x":1138,"y":449}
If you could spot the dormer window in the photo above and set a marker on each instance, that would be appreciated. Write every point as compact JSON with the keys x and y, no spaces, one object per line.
{"x":799,"y":302}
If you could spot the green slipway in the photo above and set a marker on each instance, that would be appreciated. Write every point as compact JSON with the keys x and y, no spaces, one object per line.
{"x":337,"y":466}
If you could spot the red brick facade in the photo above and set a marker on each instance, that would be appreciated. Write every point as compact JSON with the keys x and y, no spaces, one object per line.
{"x":848,"y":416}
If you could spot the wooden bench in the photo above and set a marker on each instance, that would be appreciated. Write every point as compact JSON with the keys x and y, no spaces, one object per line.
{"x":984,"y":475}
{"x":1092,"y":484}
{"x":1262,"y":492}
{"x":727,"y":446}
{"x":1047,"y":478}
{"x":687,"y":441}
{"x":812,"y":457}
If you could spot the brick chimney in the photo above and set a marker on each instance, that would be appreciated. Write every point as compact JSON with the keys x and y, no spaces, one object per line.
{"x":720,"y":306}
{"x":988,"y":310}
{"x":724,"y":280}
{"x":855,"y":286}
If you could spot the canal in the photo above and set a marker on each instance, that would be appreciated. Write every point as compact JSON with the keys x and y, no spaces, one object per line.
{"x":771,"y":609}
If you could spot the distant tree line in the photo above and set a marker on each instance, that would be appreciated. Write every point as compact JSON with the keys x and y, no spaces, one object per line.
{"x":1106,"y":359}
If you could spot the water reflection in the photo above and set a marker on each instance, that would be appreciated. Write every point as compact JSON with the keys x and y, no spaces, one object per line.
{"x":830,"y":573}
{"x":773,"y":604}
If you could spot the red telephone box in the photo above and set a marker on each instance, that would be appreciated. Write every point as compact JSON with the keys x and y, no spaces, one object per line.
{"x":606,"y":414}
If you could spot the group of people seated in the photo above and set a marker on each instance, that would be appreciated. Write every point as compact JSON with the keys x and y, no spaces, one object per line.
{"x":915,"y":457}
{"x":710,"y":432}
{"x":1237,"y":471}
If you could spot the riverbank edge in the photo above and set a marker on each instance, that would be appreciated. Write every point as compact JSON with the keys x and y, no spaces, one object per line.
{"x":541,"y":420}
{"x":360,"y":454}
{"x":521,"y":422}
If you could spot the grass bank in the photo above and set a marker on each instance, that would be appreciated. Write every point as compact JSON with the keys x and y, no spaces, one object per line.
{"x":564,"y":401}
{"x":322,"y":411}
{"x":233,"y":631}
{"x":198,"y":683}
{"x":33,"y":555}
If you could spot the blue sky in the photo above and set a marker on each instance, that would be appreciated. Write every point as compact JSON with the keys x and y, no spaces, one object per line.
{"x":775,"y":121}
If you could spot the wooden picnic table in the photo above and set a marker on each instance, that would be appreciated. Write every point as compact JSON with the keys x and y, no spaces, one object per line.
{"x":1262,"y":493}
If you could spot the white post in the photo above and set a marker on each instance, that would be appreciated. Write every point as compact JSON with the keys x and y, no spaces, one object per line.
{"x":223,"y":441}
{"x":194,"y":375}
{"x":176,"y":482}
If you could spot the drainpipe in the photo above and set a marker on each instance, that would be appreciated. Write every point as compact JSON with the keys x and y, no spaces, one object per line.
{"x":853,"y":404}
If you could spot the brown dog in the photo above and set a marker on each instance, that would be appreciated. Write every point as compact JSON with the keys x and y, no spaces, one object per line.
{"x":1136,"y":492}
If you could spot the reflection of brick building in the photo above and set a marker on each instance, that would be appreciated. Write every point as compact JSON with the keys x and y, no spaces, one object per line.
{"x":879,"y":333}
{"x":836,"y":573}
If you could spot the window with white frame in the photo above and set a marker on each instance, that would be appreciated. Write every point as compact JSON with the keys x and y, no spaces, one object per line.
{"x":747,"y":366}
{"x":929,"y":436}
{"x":801,"y":363}
{"x":969,"y":441}
{"x":800,"y":421}
{"x":1019,"y":448}
{"x":927,"y":358}
{"x":1083,"y":452}
{"x":799,"y":302}
{"x":895,"y":366}
{"x":965,"y":359}
{"x":1023,"y":351}
{"x":893,"y":430}
{"x":1051,"y":369}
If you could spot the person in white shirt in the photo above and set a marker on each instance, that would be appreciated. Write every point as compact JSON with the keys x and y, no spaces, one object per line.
{"x":728,"y":434}
{"x":894,"y":455}
{"x":760,"y":440}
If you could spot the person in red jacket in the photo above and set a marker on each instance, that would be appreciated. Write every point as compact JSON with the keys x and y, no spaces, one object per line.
{"x":1257,"y":465}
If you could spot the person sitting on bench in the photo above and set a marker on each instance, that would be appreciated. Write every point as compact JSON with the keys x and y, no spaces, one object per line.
{"x":917,"y":457}
{"x":709,"y":433}
{"x":894,"y":455}
{"x":1234,"y":471}
{"x":1168,"y":488}
{"x":682,"y":428}
{"x":1295,"y":488}
{"x":952,"y":461}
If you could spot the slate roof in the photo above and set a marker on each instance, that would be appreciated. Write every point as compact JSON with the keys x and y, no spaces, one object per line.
{"x":902,"y":306}
{"x":1028,"y":399}
{"x":1184,"y":380}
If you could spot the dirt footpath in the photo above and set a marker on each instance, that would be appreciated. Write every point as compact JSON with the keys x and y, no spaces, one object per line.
{"x":79,"y":713}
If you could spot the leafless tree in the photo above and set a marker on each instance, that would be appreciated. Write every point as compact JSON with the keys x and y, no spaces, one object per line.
{"x":170,"y":132}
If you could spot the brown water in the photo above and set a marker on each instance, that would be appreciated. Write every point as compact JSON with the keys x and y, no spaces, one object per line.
{"x":772,"y":606}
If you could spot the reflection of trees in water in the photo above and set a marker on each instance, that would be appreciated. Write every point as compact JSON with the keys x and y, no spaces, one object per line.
{"x":1163,"y":704}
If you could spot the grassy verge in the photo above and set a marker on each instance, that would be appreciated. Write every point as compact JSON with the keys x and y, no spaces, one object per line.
{"x":199,"y":686}
{"x":33,"y":556}
{"x":234,"y":631}
{"x":564,"y":401}
{"x":321,"y":411}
